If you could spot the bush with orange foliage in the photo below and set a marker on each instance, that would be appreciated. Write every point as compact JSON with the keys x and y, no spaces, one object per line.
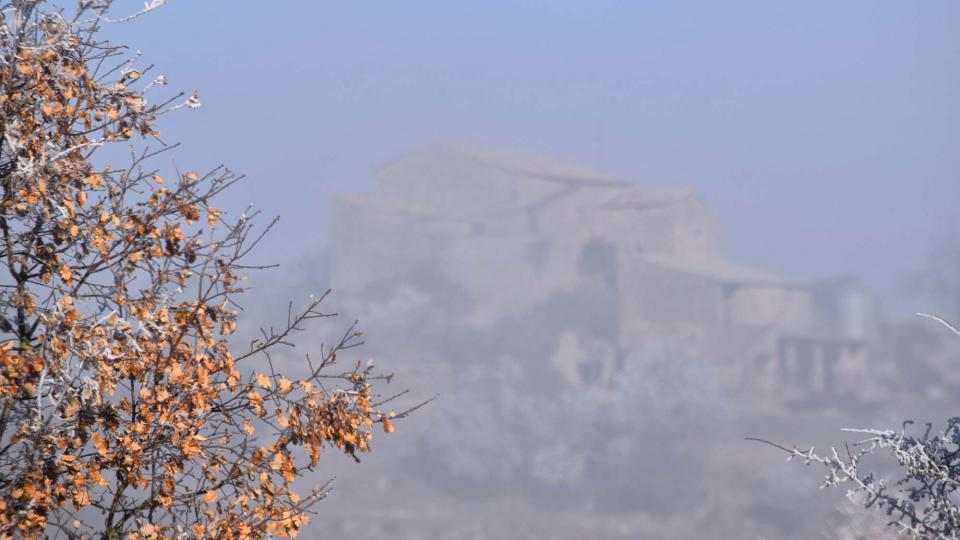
{"x":124,"y":409}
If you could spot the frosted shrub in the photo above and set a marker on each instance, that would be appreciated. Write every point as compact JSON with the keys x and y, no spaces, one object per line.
{"x":921,"y":501}
{"x":579,"y":441}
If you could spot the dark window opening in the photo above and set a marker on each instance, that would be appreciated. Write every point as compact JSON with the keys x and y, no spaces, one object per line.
{"x":600,"y":258}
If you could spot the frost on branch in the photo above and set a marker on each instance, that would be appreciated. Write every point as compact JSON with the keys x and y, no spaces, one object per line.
{"x":921,"y":500}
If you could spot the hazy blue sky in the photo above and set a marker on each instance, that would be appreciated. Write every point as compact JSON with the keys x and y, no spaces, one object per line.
{"x":825,"y":135}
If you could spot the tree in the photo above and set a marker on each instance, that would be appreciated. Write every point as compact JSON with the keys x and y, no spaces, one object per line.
{"x":922,"y":502}
{"x":125,"y":409}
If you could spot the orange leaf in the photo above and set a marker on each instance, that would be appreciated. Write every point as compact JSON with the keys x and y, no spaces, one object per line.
{"x":212,"y":216}
{"x":277,"y":462}
{"x":66,"y":274}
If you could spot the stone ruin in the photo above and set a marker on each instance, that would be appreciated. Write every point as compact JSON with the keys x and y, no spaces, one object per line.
{"x":482,"y":236}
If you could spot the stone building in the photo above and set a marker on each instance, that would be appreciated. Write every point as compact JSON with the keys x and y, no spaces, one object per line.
{"x":482,"y":235}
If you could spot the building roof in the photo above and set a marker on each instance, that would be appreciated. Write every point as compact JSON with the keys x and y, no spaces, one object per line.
{"x":719,"y":268}
{"x":637,"y":199}
{"x":529,"y":165}
{"x":538,"y":166}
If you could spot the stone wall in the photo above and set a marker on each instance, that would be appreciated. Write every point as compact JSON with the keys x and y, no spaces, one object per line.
{"x":489,"y":238}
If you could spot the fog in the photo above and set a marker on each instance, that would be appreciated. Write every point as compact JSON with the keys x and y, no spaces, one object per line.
{"x":614,"y":239}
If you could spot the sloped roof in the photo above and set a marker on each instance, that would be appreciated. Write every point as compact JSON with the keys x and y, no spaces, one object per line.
{"x":538,"y":166}
{"x":534,"y":166}
{"x":719,"y":268}
{"x":636,"y":199}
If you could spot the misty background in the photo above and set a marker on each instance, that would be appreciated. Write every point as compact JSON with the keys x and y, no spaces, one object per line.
{"x":822,"y":136}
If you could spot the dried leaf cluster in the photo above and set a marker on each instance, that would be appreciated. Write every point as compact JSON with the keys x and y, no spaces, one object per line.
{"x":125,"y":411}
